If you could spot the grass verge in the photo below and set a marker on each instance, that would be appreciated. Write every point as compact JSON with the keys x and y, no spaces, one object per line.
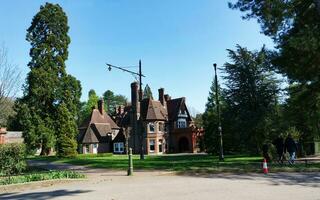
{"x":185,"y":163}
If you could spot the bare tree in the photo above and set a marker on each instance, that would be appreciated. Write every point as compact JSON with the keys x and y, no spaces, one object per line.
{"x":9,"y":85}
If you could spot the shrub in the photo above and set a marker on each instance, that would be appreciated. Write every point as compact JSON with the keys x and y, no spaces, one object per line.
{"x":12,"y":159}
{"x":41,"y":176}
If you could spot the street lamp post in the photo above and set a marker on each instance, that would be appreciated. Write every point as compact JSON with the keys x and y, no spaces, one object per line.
{"x":138,"y":122}
{"x":221,"y":156}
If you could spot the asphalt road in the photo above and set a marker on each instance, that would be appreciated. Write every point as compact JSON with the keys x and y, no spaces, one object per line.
{"x":115,"y":185}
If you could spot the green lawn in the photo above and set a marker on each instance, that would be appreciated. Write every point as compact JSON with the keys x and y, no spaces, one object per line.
{"x":183,"y":163}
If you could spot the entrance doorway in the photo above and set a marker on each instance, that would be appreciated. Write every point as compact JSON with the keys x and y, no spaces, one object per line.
{"x":183,"y":145}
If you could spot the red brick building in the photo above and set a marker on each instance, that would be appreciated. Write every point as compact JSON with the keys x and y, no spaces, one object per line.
{"x":167,"y":126}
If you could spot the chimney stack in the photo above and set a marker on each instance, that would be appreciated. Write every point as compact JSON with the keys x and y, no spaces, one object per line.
{"x":161,"y":96}
{"x":135,"y":97}
{"x":134,"y":94}
{"x":101,"y":106}
{"x":121,"y":109}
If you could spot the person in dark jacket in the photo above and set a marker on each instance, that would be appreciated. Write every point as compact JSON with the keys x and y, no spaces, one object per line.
{"x":279,"y":144}
{"x":265,"y":152}
{"x":291,"y":148}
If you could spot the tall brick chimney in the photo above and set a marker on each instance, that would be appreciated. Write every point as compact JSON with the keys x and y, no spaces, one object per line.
{"x":134,"y":94}
{"x":120,"y":109}
{"x":101,"y":106}
{"x":161,"y":96}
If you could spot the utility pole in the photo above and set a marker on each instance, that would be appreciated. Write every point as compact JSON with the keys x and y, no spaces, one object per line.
{"x":221,"y":156}
{"x":140,"y":127}
{"x":138,"y":122}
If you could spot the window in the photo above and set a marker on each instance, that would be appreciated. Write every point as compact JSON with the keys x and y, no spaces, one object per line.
{"x":160,"y":146}
{"x":161,"y":127}
{"x":152,"y":145}
{"x":151,"y":127}
{"x":118,"y":147}
{"x":182,"y":123}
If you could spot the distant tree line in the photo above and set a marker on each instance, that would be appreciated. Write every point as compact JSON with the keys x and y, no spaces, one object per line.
{"x":111,"y":102}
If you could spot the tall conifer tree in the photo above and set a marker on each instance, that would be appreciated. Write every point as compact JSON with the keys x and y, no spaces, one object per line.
{"x":48,"y":86}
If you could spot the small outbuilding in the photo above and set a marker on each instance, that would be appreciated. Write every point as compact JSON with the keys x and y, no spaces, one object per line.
{"x":96,"y":133}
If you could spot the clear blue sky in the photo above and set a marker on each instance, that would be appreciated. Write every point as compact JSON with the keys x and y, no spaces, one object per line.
{"x":177,"y":41}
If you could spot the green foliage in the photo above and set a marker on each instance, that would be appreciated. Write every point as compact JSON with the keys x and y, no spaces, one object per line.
{"x":248,"y":104}
{"x":12,"y":159}
{"x":296,"y":135}
{"x":47,"y":85}
{"x":251,"y":97}
{"x":147,"y":93}
{"x":210,"y":122}
{"x":87,"y":107}
{"x":67,"y":131}
{"x":41,"y":176}
{"x":112,"y":101}
{"x":295,"y":28}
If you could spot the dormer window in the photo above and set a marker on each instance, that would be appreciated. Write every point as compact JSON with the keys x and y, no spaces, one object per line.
{"x":182,"y":123}
{"x":151,"y":127}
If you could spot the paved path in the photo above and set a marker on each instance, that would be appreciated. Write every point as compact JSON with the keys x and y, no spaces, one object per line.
{"x":115,"y":185}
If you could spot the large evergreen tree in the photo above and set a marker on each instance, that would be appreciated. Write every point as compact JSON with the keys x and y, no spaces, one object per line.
{"x":295,"y":28}
{"x":210,"y":122}
{"x":48,"y":86}
{"x":251,"y":97}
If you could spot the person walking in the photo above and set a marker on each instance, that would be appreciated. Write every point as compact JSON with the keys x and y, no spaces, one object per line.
{"x":279,"y":144}
{"x":291,"y":148}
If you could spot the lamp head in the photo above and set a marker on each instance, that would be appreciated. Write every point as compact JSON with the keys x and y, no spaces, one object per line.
{"x":109,"y":67}
{"x":215,"y":66}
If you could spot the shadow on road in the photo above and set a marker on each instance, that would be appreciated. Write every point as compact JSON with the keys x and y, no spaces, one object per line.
{"x":311,"y":179}
{"x":41,"y":195}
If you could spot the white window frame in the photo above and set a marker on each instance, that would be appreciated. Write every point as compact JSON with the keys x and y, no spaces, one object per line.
{"x":182,"y":123}
{"x":95,"y":148}
{"x":118,"y":147}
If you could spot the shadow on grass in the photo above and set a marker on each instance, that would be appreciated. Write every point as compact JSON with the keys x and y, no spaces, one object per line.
{"x":42,"y":195}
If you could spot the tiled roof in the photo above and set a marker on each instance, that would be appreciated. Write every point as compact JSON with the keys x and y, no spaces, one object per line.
{"x":96,"y":127}
{"x":174,"y":106}
{"x":152,"y":110}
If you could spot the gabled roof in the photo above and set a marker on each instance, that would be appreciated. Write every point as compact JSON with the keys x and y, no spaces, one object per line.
{"x":96,"y":127}
{"x":153,"y":110}
{"x":174,"y":106}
